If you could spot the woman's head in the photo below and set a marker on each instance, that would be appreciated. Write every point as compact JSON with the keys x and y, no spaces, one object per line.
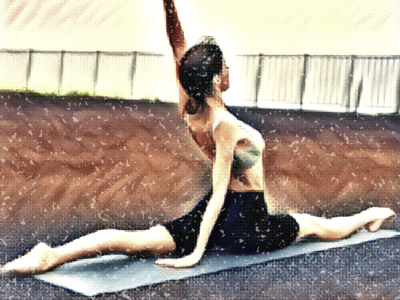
{"x":201,"y":68}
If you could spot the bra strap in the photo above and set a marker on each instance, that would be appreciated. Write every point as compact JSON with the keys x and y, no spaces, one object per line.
{"x":216,"y":124}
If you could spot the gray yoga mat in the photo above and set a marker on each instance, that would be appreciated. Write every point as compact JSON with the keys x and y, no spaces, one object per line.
{"x":117,"y":272}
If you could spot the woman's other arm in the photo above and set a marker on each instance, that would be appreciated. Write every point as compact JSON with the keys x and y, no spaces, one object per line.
{"x":225,"y":140}
{"x":177,"y":41}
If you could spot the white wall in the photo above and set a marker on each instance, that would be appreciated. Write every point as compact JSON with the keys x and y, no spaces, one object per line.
{"x":241,"y":27}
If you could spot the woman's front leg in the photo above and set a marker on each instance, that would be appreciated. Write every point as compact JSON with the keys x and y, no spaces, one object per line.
{"x":42,"y":257}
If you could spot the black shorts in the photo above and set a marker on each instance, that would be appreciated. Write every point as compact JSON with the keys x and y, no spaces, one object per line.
{"x":243,"y":226}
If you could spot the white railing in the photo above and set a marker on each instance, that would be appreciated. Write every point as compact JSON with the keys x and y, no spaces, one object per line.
{"x":130,"y":75}
{"x":365,"y":84}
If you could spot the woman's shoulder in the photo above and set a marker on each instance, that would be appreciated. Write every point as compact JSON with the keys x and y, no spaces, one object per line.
{"x":212,"y":121}
{"x":220,"y":119}
{"x":226,"y":117}
{"x":233,"y":124}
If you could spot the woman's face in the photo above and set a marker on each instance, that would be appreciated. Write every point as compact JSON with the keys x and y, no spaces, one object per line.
{"x":224,"y":77}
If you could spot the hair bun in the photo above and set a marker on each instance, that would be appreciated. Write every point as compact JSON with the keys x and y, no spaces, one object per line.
{"x":208,"y":40}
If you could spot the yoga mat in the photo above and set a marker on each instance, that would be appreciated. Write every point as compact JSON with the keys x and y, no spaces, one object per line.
{"x":117,"y":272}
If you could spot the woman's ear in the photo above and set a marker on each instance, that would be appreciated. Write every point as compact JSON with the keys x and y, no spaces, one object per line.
{"x":217,"y":80}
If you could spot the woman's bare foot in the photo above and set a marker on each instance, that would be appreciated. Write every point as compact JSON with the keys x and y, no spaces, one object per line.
{"x":38,"y":260}
{"x":379,"y":215}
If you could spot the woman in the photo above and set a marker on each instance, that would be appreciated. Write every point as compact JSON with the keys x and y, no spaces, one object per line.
{"x":234,"y":215}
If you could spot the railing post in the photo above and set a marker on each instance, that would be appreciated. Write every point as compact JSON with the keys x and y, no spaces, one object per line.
{"x":258,"y":78}
{"x":398,"y":97}
{"x":28,"y":68}
{"x":303,"y":80}
{"x":397,"y":93}
{"x":61,"y":71}
{"x":350,"y":82}
{"x":133,"y":70}
{"x":96,"y":73}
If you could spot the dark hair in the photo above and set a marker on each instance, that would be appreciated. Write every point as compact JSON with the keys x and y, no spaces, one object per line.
{"x":197,"y":69}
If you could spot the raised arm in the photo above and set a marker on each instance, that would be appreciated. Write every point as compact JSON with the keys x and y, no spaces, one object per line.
{"x":175,"y":33}
{"x":177,"y":41}
{"x":225,"y":139}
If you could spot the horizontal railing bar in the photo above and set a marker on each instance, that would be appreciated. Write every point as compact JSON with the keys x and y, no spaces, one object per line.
{"x":81,"y":52}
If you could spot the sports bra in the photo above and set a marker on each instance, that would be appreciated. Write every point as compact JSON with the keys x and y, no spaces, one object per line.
{"x":243,"y":161}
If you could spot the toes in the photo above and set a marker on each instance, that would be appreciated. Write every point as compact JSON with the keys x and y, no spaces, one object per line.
{"x":380,"y":215}
{"x":35,"y":261}
{"x":374,"y":225}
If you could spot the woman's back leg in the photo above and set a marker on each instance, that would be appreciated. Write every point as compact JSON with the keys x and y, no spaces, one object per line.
{"x":341,"y":227}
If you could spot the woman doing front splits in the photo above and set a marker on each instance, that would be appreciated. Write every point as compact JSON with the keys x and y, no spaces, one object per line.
{"x":234,"y":215}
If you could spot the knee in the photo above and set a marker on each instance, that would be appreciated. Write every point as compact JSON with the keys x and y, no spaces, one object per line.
{"x":310,"y":225}
{"x":157,"y":240}
{"x":108,"y":236}
{"x":325,"y":229}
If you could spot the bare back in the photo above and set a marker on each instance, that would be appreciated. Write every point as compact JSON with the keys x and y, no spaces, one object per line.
{"x":200,"y":128}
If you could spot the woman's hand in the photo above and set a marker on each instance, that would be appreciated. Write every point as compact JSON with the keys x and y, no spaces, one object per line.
{"x":184,"y":262}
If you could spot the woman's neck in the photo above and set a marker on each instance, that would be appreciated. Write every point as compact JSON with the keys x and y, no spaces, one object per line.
{"x":215,"y":101}
{"x":214,"y":104}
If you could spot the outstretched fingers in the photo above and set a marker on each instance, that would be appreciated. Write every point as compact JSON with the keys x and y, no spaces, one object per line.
{"x":184,"y":262}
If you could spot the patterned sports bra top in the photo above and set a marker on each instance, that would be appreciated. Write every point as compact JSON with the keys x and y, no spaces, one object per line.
{"x":243,"y":161}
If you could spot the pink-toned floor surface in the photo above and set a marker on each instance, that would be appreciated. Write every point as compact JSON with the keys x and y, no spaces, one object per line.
{"x":69,"y":166}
